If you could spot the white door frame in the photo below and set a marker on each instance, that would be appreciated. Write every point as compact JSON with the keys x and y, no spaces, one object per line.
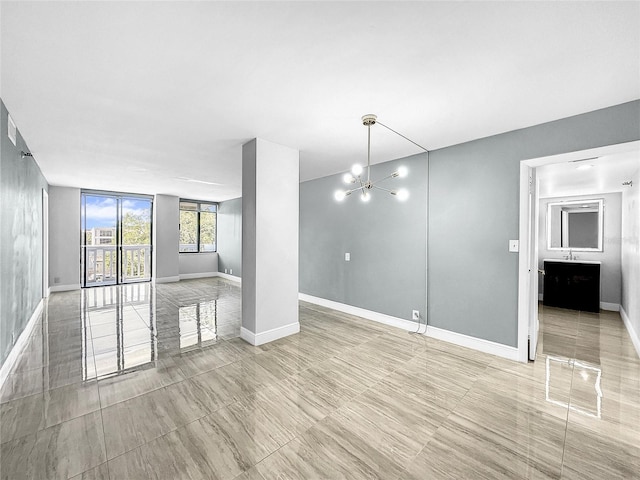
{"x":528,"y":237}
{"x":45,"y":244}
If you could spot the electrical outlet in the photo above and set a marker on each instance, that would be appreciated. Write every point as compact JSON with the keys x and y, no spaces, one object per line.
{"x":56,"y":279}
{"x":347,"y":257}
{"x":415,"y":315}
{"x":226,"y":270}
{"x":231,"y":271}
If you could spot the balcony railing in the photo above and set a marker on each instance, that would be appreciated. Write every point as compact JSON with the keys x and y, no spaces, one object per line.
{"x":101,"y":263}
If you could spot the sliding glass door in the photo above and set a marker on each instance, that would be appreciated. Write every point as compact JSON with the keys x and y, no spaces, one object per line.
{"x":115,"y":238}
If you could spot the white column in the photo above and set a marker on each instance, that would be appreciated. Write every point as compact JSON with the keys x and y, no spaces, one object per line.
{"x":270,"y":213}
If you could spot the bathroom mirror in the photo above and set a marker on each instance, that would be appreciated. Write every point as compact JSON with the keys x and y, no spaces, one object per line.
{"x":575,"y":225}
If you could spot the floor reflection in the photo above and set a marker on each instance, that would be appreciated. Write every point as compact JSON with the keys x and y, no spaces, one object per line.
{"x":127,"y":326}
{"x":589,"y":374}
{"x":198,"y":323}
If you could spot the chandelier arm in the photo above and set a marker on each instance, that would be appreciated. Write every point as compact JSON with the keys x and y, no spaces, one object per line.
{"x":349,"y":192}
{"x":384,"y":178}
{"x":398,"y":133}
{"x":384,"y":189}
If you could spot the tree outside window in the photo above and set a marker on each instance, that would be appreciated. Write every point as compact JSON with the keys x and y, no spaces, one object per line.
{"x":197,"y":226}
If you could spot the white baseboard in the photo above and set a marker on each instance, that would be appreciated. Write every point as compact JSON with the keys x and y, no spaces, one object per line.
{"x":270,"y":335}
{"x":611,"y":307}
{"x":233,"y":278}
{"x":64,"y":288}
{"x":360,"y":312}
{"x":175,"y":278}
{"x":189,"y":276}
{"x":18,"y":347}
{"x":480,"y":344}
{"x":635,"y":336}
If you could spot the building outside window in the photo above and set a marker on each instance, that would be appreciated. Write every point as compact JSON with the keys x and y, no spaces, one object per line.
{"x":197,"y":226}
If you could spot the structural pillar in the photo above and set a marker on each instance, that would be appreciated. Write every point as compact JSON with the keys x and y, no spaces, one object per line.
{"x":270,"y":216}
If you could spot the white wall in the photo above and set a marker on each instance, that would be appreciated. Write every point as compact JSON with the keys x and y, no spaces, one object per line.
{"x":64,"y":238}
{"x":610,"y":268}
{"x":166,"y":238}
{"x":631,"y":258}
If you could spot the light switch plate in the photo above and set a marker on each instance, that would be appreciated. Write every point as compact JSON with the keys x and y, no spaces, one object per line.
{"x":347,"y":257}
{"x":514,"y":245}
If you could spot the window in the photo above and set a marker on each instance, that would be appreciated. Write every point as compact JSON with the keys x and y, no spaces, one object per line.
{"x":197,"y":226}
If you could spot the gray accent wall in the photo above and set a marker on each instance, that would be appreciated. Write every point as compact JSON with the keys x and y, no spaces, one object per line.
{"x":229,"y":236}
{"x":385,"y":237}
{"x":609,"y":258}
{"x":21,"y":185}
{"x":472,"y":206}
{"x":474,"y":211}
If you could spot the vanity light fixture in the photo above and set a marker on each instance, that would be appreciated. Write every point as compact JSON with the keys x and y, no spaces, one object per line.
{"x":364,"y":183}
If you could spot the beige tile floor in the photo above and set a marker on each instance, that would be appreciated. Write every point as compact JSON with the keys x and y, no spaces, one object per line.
{"x":137,"y":382}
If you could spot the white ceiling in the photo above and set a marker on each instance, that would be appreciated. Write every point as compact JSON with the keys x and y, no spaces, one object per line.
{"x":606,"y":175}
{"x":133,"y":96}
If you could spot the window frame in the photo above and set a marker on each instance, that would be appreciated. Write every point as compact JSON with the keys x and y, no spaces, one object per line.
{"x":198,"y":211}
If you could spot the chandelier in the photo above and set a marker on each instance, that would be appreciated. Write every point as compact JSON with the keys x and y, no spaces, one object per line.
{"x":363,"y":182}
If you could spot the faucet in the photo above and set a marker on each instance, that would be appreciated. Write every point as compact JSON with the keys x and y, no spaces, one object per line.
{"x":571,"y":256}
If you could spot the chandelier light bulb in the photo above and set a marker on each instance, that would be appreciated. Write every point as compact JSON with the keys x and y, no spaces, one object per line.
{"x":402,"y":194}
{"x":348,"y":178}
{"x":339,"y":195}
{"x":365,"y":197}
{"x":402,"y":171}
{"x":356,"y":170}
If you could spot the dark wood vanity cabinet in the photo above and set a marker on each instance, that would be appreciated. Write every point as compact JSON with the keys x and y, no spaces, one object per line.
{"x":572,"y":285}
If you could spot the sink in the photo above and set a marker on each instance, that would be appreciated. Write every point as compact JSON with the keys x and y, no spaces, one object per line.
{"x":570,"y":261}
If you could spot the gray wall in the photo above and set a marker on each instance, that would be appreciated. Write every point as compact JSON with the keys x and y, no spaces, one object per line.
{"x":249,"y":237}
{"x":198,"y":263}
{"x":166,"y":237}
{"x":631,"y":252}
{"x":64,"y":238}
{"x":385,"y":237}
{"x":610,"y":268}
{"x":21,"y":185}
{"x":474,"y":211}
{"x":230,"y":236}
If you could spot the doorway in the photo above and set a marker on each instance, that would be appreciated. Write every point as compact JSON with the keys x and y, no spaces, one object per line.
{"x":115,"y":240}
{"x":528,"y":323}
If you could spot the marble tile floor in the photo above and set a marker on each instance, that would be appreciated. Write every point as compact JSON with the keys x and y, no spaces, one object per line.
{"x":144,"y":382}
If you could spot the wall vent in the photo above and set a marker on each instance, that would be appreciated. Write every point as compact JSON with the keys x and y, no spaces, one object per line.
{"x":11,"y":130}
